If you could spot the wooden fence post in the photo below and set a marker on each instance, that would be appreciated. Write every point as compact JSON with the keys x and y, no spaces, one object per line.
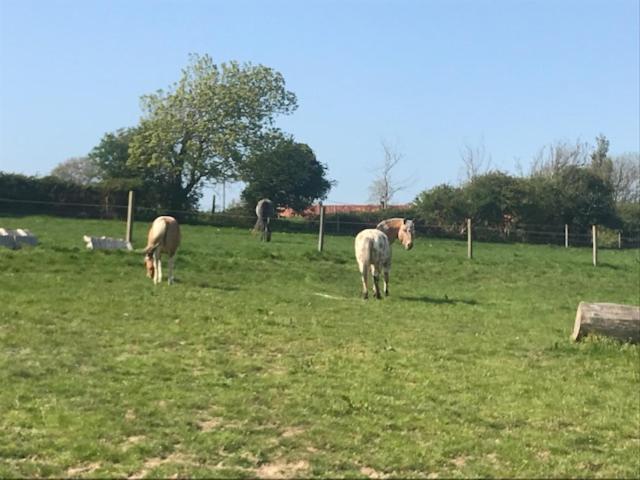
{"x":129,"y":233}
{"x":321,"y":232}
{"x":619,"y":240}
{"x":566,"y":235}
{"x":469,"y":241}
{"x":594,"y":235}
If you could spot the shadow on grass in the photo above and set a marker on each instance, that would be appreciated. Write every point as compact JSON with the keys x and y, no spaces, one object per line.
{"x":226,"y":288}
{"x":610,"y":266}
{"x":438,"y":301}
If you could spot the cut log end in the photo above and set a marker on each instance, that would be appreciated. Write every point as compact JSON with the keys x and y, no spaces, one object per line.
{"x":621,"y":322}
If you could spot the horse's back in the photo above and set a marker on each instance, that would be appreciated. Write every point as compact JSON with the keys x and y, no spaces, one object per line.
{"x":165,"y":234}
{"x":372,"y":246}
{"x":264,"y":208}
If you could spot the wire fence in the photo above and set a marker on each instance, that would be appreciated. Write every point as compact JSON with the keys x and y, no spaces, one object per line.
{"x":336,"y":223}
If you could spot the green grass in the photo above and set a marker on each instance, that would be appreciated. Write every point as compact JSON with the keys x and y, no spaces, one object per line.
{"x":263,"y":360}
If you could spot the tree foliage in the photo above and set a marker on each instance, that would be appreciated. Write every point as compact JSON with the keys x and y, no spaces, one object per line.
{"x":443,"y":206}
{"x":567,"y":184}
{"x":80,"y":170}
{"x":289,"y":174}
{"x":625,"y":178}
{"x":111,"y":155}
{"x":207,"y":124}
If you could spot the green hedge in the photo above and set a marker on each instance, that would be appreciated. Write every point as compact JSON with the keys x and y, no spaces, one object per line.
{"x":22,"y":195}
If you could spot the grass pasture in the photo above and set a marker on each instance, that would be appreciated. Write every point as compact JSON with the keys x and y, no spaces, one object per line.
{"x":262,"y":360}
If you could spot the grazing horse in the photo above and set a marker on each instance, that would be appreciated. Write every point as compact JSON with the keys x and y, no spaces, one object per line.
{"x":373,"y":252}
{"x":163,"y":237}
{"x":401,"y":228}
{"x":264,"y":211}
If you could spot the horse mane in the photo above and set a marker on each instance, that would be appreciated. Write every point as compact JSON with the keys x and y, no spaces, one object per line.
{"x":386,"y":226}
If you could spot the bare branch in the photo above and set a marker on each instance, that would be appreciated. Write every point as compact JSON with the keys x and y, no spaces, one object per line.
{"x":476,"y":161}
{"x":385,"y":186}
{"x":555,"y":157}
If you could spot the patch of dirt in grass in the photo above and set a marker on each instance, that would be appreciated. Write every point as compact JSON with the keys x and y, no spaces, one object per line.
{"x":459,"y":461}
{"x":209,"y":424}
{"x":544,"y":455}
{"x":292,"y":432}
{"x":493,"y":457}
{"x":75,"y":471}
{"x":155,"y":462}
{"x":282,"y":470}
{"x":133,"y":440}
{"x":372,"y":473}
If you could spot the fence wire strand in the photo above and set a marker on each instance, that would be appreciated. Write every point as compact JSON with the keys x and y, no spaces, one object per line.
{"x":516,"y":233}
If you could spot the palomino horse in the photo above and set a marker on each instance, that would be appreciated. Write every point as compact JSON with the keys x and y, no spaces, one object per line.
{"x":163,"y":237}
{"x":373,"y":252}
{"x":400,"y":228}
{"x":264,"y":211}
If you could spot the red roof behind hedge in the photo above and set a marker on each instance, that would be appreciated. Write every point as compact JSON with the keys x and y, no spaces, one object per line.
{"x":333,"y":209}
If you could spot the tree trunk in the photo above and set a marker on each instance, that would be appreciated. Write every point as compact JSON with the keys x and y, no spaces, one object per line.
{"x":621,"y":322}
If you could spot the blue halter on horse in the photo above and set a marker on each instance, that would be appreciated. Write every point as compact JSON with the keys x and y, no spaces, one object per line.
{"x":265,"y":211}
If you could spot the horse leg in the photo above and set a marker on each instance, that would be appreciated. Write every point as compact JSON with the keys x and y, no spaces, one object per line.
{"x":363,"y":276}
{"x":172,"y":259}
{"x":157,"y":262}
{"x":376,"y":281}
{"x":386,"y":282}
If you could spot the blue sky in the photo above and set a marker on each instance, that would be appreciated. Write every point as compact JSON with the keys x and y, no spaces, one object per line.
{"x":427,"y":77}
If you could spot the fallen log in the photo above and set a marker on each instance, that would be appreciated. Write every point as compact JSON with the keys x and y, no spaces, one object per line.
{"x":621,"y":322}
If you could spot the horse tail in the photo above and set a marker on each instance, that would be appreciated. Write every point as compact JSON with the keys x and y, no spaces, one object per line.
{"x":368,"y":250}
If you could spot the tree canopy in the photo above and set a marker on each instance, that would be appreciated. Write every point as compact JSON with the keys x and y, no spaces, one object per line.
{"x":289,"y":174}
{"x":207,"y":124}
{"x":111,"y":155}
{"x":567,"y":184}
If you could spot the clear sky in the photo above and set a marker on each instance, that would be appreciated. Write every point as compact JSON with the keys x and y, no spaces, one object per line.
{"x":426,"y":76}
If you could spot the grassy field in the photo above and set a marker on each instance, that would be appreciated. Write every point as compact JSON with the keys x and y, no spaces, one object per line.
{"x":262,"y":360}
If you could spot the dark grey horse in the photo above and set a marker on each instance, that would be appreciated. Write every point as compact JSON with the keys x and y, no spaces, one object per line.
{"x":265,"y":211}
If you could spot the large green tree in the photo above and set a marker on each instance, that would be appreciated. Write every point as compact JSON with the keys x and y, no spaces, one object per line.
{"x":289,"y":174}
{"x":584,"y":198}
{"x":111,"y":155}
{"x":492,"y":195}
{"x":442,"y":206}
{"x":207,"y":124}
